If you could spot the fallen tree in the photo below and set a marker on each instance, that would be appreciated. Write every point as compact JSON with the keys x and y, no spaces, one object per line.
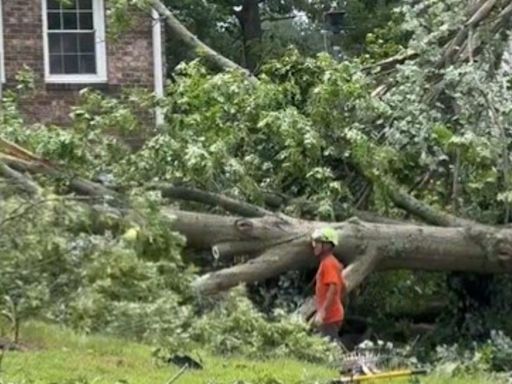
{"x":279,"y":243}
{"x":363,"y":246}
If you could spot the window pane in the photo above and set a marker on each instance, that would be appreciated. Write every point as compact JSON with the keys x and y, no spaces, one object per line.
{"x":69,"y":4}
{"x":85,"y":20}
{"x":55,"y":43}
{"x":73,"y":52}
{"x":56,"y":64}
{"x":54,"y":22}
{"x":70,"y":20}
{"x":87,"y":64}
{"x":85,"y":4}
{"x":70,"y":42}
{"x":53,"y":4}
{"x":70,"y":64}
{"x":86,"y":43}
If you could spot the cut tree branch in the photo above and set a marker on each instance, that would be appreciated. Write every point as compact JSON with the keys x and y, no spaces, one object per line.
{"x":272,"y":262}
{"x":227,"y":250}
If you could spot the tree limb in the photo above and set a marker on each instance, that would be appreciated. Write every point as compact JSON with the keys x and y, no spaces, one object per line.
{"x":189,"y":39}
{"x":230,"y":249}
{"x":274,"y":18}
{"x":19,"y":179}
{"x":422,"y":210}
{"x":456,"y":49}
{"x":206,"y":230}
{"x":231,"y":205}
{"x":453,"y":47}
{"x":272,"y":262}
{"x":356,"y":272}
{"x":76,"y":184}
{"x":391,"y":62}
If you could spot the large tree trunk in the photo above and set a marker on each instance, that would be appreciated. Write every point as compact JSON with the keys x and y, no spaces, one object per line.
{"x":477,"y":248}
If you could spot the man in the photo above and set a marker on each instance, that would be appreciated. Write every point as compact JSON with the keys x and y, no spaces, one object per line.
{"x":330,"y":285}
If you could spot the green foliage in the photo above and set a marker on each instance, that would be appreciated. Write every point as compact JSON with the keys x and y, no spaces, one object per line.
{"x":54,"y":266}
{"x":491,"y":356}
{"x":217,"y":25}
{"x":120,"y":17}
{"x":123,"y":285}
{"x":235,"y":327}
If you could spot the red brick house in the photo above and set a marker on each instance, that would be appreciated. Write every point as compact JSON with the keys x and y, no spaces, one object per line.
{"x":67,"y":48}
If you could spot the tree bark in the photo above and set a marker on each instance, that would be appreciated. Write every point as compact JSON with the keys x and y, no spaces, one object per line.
{"x":249,"y":19}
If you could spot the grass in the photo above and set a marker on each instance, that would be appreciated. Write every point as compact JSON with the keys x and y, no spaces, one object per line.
{"x":58,"y":355}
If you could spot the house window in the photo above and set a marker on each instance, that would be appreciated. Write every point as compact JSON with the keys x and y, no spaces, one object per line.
{"x":74,"y":41}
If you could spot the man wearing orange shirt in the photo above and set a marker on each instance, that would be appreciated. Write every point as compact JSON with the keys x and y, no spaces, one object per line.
{"x":330,"y":285}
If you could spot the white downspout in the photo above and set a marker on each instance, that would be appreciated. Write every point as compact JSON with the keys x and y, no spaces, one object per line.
{"x":2,"y":54}
{"x":158,"y":68}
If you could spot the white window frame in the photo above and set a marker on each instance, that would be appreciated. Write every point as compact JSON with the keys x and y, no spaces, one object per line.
{"x":2,"y":46}
{"x":101,"y":51}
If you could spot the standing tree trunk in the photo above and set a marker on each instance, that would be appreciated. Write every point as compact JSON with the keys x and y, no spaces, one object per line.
{"x":250,"y":22}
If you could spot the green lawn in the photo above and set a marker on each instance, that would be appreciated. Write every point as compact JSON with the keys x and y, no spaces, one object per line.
{"x":58,"y":355}
{"x":61,"y":356}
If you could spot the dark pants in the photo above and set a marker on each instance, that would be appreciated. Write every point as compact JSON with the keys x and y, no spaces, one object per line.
{"x":331,"y":331}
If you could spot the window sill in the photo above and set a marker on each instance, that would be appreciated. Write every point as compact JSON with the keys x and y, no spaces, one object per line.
{"x":77,"y":86}
{"x":73,"y":83}
{"x":75,"y":80}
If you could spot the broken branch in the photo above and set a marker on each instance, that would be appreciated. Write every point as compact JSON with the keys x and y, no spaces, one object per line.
{"x":23,"y":182}
{"x":193,"y":42}
{"x":214,"y":199}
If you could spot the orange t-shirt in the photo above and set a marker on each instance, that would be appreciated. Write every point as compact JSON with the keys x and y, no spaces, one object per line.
{"x":330,"y":272}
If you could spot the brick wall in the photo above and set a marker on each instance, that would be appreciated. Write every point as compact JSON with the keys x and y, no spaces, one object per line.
{"x":129,"y":60}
